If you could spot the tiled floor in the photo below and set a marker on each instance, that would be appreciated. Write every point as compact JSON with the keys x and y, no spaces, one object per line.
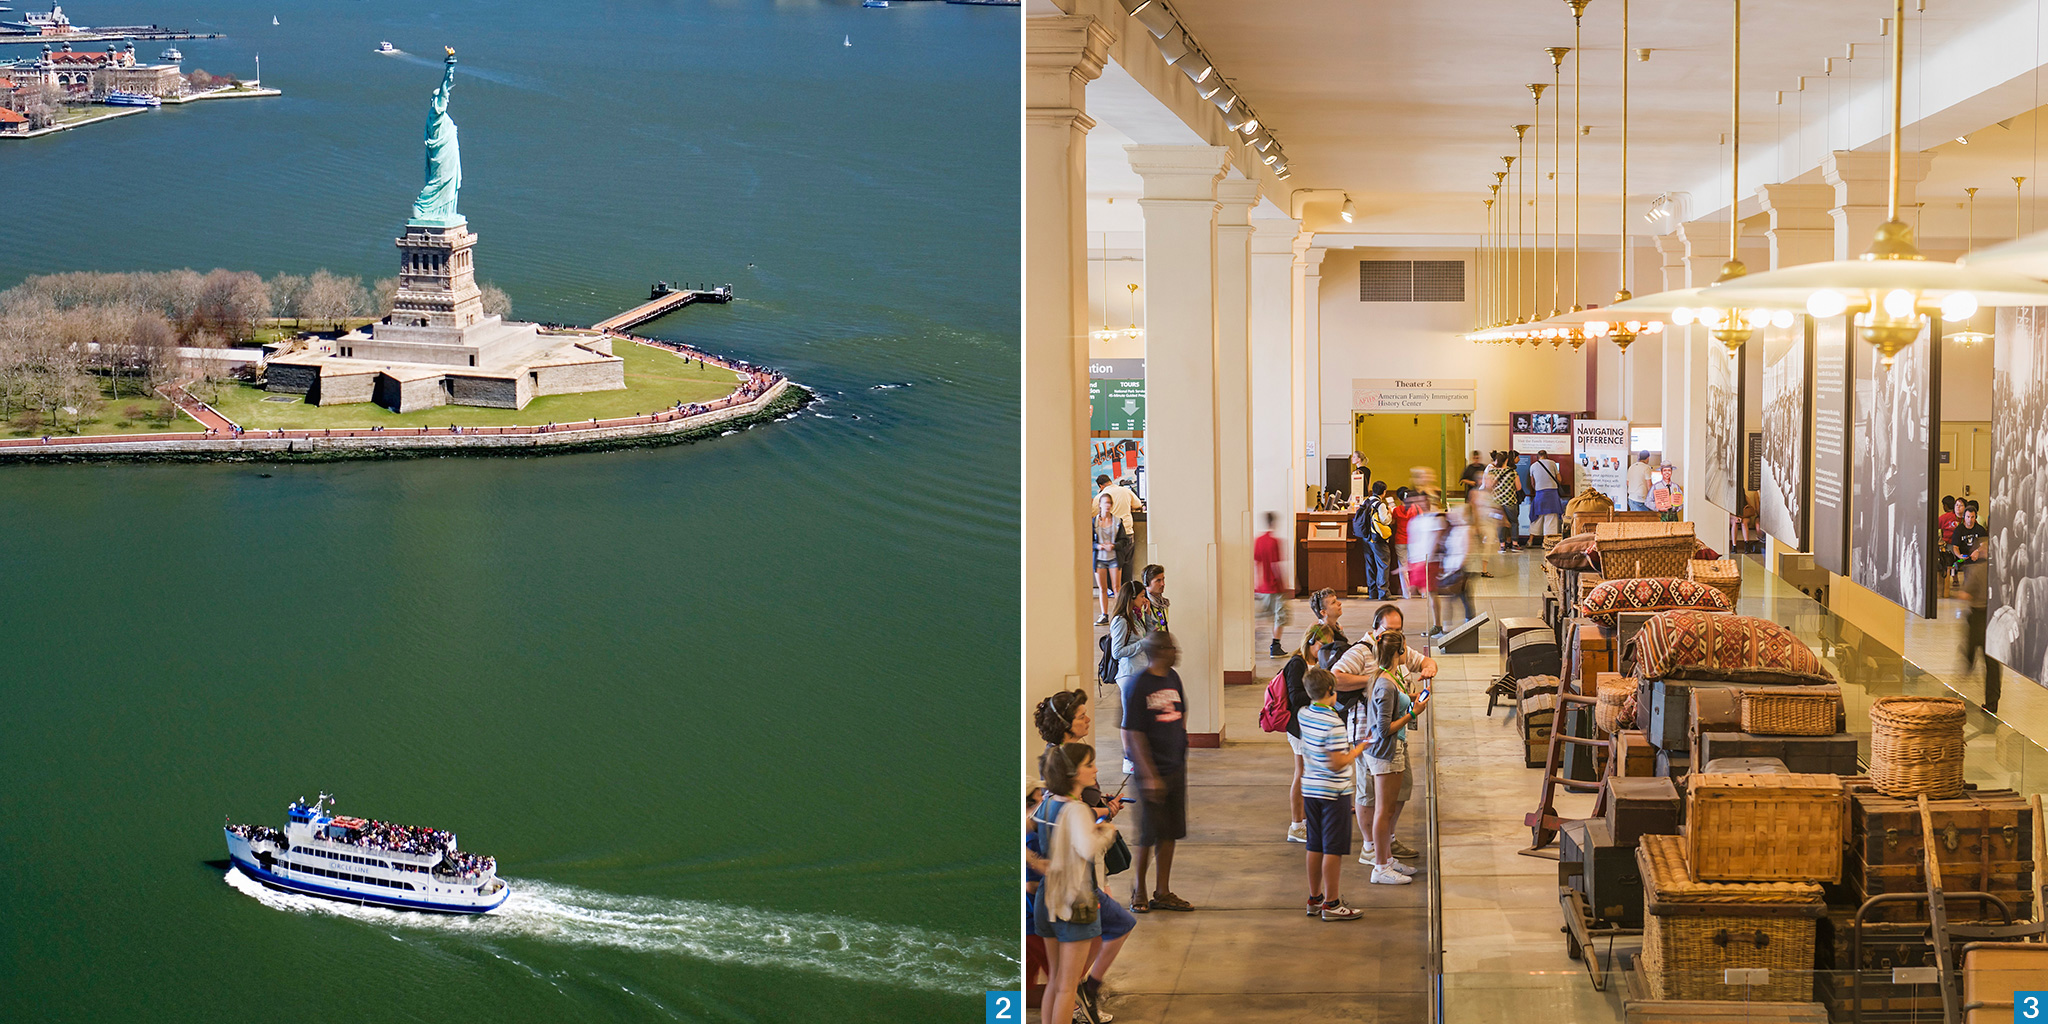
{"x":1247,"y":953}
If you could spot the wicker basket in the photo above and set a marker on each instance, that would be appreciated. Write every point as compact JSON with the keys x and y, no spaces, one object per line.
{"x":1766,"y":828}
{"x":1696,"y":930}
{"x":1722,"y":574}
{"x":1630,"y":550}
{"x":1791,"y":710}
{"x":1916,"y":746}
{"x":1613,"y":696}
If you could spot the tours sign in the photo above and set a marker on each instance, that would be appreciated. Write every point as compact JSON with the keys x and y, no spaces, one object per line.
{"x":1414,"y":395}
{"x":1116,"y":395}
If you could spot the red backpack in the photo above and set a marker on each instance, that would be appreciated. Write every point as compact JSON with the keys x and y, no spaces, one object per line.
{"x":1274,"y":716}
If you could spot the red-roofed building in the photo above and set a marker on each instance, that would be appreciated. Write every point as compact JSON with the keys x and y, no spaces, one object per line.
{"x":12,"y":122}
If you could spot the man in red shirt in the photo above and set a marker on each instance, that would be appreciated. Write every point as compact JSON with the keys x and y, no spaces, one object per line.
{"x":1267,"y":585}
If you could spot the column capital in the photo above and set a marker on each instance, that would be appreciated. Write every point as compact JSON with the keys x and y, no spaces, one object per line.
{"x":1178,"y":172}
{"x":1311,"y":259}
{"x":1274,"y":236}
{"x":1797,"y":207}
{"x":1236,"y":196}
{"x":1863,"y":179}
{"x":1062,"y":54}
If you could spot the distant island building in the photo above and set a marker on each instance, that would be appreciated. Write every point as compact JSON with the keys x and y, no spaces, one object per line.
{"x":437,"y":346}
{"x":33,"y":23}
{"x":94,"y":73}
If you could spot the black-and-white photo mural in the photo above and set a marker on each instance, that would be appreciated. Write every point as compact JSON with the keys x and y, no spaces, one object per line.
{"x":1781,"y":493}
{"x":1724,"y":427}
{"x":1891,"y":467}
{"x":2018,"y":504}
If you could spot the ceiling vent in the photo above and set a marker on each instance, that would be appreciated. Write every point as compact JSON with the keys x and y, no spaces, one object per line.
{"x":1411,"y":281}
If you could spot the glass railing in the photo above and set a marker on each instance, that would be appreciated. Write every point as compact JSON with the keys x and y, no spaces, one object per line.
{"x":1898,"y":982}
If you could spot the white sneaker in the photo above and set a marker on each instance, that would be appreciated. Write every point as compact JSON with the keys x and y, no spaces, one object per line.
{"x":1383,"y":876}
{"x":1366,"y":857}
{"x":1298,"y":832}
{"x":1395,"y":865}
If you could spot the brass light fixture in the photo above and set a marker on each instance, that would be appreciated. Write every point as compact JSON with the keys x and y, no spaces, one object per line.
{"x":1970,"y":335}
{"x":1731,"y":326}
{"x":1134,"y":332}
{"x":1579,"y":125}
{"x":1521,"y":237}
{"x":1557,"y":54}
{"x":1107,"y":332}
{"x":1536,"y":207}
{"x":1892,"y":290}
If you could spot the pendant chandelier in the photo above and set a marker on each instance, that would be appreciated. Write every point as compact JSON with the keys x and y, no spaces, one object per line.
{"x":1892,"y":291}
{"x":1970,"y":335}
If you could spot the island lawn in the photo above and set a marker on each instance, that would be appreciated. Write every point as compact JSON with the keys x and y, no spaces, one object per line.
{"x":110,"y":419}
{"x":655,"y":380}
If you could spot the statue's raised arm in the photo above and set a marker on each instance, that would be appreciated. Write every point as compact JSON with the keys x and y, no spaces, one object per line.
{"x":436,"y":203}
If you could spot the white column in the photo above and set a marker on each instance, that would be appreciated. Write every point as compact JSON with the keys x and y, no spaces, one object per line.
{"x":1802,"y":228}
{"x":1274,"y":465}
{"x":1180,"y":408}
{"x":1311,"y":382}
{"x":1235,"y":198}
{"x":1671,"y":351}
{"x":1062,"y":54}
{"x":1862,"y":182}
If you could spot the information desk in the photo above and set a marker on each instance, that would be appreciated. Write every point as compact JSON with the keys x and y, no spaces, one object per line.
{"x":1326,"y":554}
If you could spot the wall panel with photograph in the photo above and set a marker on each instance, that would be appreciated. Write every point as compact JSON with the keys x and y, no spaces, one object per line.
{"x":1724,"y":426}
{"x":1892,"y":454}
{"x":1787,"y":354}
{"x":2018,"y":505}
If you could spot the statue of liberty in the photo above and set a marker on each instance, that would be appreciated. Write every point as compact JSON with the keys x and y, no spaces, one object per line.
{"x":435,"y":206}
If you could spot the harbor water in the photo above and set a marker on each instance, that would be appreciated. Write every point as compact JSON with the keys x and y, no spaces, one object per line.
{"x":730,"y":715}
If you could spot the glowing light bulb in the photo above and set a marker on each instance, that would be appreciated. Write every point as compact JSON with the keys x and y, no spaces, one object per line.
{"x":1655,"y":326}
{"x":1959,"y":306}
{"x":1596,"y":327}
{"x":1782,"y":318}
{"x":1681,"y":316}
{"x":1826,"y":303}
{"x":1635,"y":326}
{"x":1899,"y":303}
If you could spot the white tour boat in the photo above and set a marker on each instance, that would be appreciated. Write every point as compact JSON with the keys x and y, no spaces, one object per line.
{"x":359,"y":860}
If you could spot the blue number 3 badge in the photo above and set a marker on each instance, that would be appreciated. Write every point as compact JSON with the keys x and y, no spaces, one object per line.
{"x":2030,"y":1007}
{"x":1007,"y":1007}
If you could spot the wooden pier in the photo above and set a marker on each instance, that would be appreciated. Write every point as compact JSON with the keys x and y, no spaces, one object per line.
{"x":663,"y":302}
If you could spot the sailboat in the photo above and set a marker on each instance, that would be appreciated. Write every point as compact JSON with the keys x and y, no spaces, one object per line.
{"x":273,"y":19}
{"x":849,"y":40}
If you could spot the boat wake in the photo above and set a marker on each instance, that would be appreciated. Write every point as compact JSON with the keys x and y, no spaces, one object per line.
{"x":715,"y":932}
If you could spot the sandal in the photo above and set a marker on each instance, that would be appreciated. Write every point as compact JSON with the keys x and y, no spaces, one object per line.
{"x":1168,"y":901}
{"x":1138,"y":905}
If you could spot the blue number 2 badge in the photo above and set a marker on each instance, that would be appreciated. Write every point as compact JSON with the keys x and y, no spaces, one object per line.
{"x":1004,"y":1007}
{"x":2027,"y":1007}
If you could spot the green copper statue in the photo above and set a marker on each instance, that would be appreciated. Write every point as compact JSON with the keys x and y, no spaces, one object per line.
{"x":435,"y":206}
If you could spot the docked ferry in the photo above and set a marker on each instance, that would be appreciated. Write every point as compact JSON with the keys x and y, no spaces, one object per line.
{"x":362,"y":860}
{"x":123,"y":98}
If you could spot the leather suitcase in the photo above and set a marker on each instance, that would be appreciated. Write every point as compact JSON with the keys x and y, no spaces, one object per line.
{"x":1592,"y":654}
{"x":1638,"y":807}
{"x":1509,"y":628}
{"x":1638,"y":758}
{"x":1803,"y":755}
{"x":1746,"y":766}
{"x":1533,"y":654}
{"x":1608,"y":874}
{"x":1984,"y":842}
{"x":1536,"y":742}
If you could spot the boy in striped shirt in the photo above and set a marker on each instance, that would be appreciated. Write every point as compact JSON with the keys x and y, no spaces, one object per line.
{"x":1326,"y":785}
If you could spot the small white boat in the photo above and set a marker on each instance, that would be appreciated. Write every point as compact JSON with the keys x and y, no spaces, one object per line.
{"x":172,"y":54}
{"x":874,"y":3}
{"x":374,"y":863}
{"x":386,"y":47}
{"x":849,"y":40}
{"x":273,"y":19}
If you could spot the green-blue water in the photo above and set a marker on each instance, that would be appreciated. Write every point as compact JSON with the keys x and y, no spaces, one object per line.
{"x":732,"y":716}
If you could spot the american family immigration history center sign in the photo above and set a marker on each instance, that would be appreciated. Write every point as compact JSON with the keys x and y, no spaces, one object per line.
{"x":1413,"y":395}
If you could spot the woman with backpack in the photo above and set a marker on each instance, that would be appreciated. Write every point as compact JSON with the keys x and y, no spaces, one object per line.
{"x":1068,"y":910}
{"x":1113,"y":548}
{"x":1127,"y":631}
{"x":1066,"y":718}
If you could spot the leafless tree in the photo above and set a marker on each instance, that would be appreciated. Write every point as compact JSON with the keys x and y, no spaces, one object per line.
{"x":496,"y":302}
{"x":332,"y":298}
{"x":384,"y":294}
{"x":288,"y":296}
{"x":230,"y":302}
